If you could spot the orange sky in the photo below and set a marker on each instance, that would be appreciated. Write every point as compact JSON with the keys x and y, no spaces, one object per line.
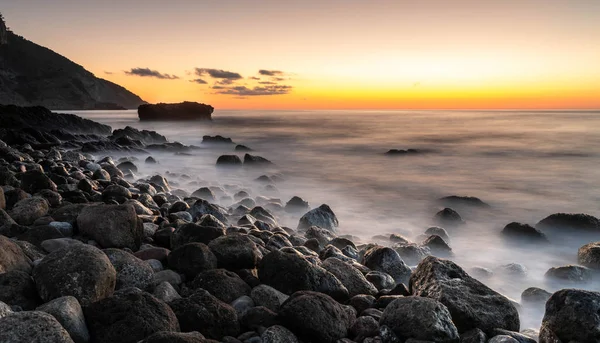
{"x":332,"y":53}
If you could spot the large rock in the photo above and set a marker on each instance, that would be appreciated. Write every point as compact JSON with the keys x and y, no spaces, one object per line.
{"x":351,"y":278}
{"x":145,"y":136}
{"x":570,"y":274}
{"x":111,"y":226}
{"x":571,"y":316}
{"x":18,"y":289}
{"x":589,"y":255}
{"x":448,"y":218}
{"x":202,"y":207}
{"x":290,"y":272}
{"x":387,"y":260}
{"x":26,"y":211}
{"x":128,"y":316}
{"x":206,"y":314}
{"x":267,"y":296}
{"x":79,"y":270}
{"x":278,"y":334}
{"x":69,"y":314}
{"x":12,"y":257}
{"x":177,"y":337}
{"x":34,"y":181}
{"x":321,"y":216}
{"x":32,"y":327}
{"x":192,"y":258}
{"x":471,"y":303}
{"x":194,"y":233}
{"x":569,"y":221}
{"x":524,"y":232}
{"x":181,"y":111}
{"x":235,"y":252}
{"x":429,"y":320}
{"x":131,"y":271}
{"x":316,"y":317}
{"x":225,"y":285}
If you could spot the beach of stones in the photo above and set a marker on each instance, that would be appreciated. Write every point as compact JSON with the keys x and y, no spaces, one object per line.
{"x":91,"y":253}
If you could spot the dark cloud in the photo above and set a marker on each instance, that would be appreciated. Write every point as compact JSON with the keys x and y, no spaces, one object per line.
{"x":267,"y":83}
{"x":199,"y":81}
{"x":270,"y":72}
{"x":278,"y":79}
{"x":108,"y":72}
{"x":218,"y":73}
{"x":147,"y":72}
{"x":254,"y":78}
{"x":218,"y":87}
{"x":243,"y":91}
{"x":225,"y":82}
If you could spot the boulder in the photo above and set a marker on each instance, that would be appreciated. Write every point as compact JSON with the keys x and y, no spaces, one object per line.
{"x":429,"y":320}
{"x":116,"y":192}
{"x":524,"y":232}
{"x":194,"y":233}
{"x":148,"y":137}
{"x":256,"y":161}
{"x":438,"y":246}
{"x":235,"y":252}
{"x":206,"y":314}
{"x":296,"y":204}
{"x":26,"y":211}
{"x":571,"y":316}
{"x":471,"y":303}
{"x":350,"y":277}
{"x":69,"y":314}
{"x":218,"y":139}
{"x":131,"y":271}
{"x":535,"y":295}
{"x":258,"y":317}
{"x":18,"y":289}
{"x":589,"y":255}
{"x":111,"y":226}
{"x":364,"y":327}
{"x":50,"y":245}
{"x":570,"y":274}
{"x":267,"y":296}
{"x":290,"y":272}
{"x":225,"y":285}
{"x":203,"y":207}
{"x":192,"y":258}
{"x":448,"y":218}
{"x":321,"y":216}
{"x":177,"y":337}
{"x":164,"y":291}
{"x":34,"y":181}
{"x":12,"y":257}
{"x":37,"y":234}
{"x":128,"y":316}
{"x":387,"y":260}
{"x":181,"y":111}
{"x":229,"y":161}
{"x":81,"y":270}
{"x":316,"y":317}
{"x":278,"y":334}
{"x":32,"y":326}
{"x":569,"y":221}
{"x":204,"y":193}
{"x":465,"y":201}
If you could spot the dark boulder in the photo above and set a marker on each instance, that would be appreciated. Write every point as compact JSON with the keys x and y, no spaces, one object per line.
{"x":206,"y":314}
{"x":464,"y":201}
{"x":429,"y":320}
{"x":571,"y":316}
{"x":535,"y":295}
{"x":471,"y":303}
{"x":192,"y":258}
{"x":570,"y":274}
{"x":267,"y":296}
{"x":350,"y":277}
{"x":32,"y":326}
{"x":182,"y":111}
{"x":12,"y":257}
{"x":128,"y":316}
{"x":387,"y":260}
{"x":69,"y":314}
{"x":203,"y":207}
{"x":258,"y":317}
{"x":242,"y":148}
{"x":589,"y":255}
{"x":569,"y":221}
{"x":316,"y":317}
{"x":229,"y":161}
{"x":148,"y":137}
{"x":18,"y":289}
{"x":225,"y":285}
{"x":127,"y":167}
{"x":278,"y":334}
{"x":256,"y":161}
{"x":296,"y":204}
{"x":27,"y":211}
{"x":448,"y":218}
{"x":218,"y":139}
{"x":235,"y":252}
{"x":34,"y":181}
{"x":112,"y":226}
{"x":402,"y":152}
{"x":37,"y":234}
{"x":194,"y":233}
{"x":116,"y":192}
{"x":321,"y":216}
{"x":79,"y":270}
{"x":131,"y":271}
{"x":177,"y":337}
{"x":438,"y":246}
{"x":524,"y":233}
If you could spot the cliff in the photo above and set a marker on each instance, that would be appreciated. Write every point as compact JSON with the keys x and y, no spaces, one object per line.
{"x":34,"y":75}
{"x":181,"y":111}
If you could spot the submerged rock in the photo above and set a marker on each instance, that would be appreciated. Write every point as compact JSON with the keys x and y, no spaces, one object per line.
{"x":535,"y":295}
{"x":448,"y":218}
{"x":589,"y":255}
{"x":255,"y":161}
{"x":463,"y":201}
{"x":181,"y":111}
{"x":218,"y":139}
{"x":570,"y":273}
{"x":229,"y":161}
{"x":402,"y":152}
{"x":524,"y":232}
{"x":569,"y":221}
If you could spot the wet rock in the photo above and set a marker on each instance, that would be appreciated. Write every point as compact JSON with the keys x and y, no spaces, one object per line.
{"x":66,"y":229}
{"x":229,"y":161}
{"x":69,"y":314}
{"x":381,"y":280}
{"x":364,"y":327}
{"x":256,"y":161}
{"x":242,"y":304}
{"x":164,"y":291}
{"x":438,"y":231}
{"x":206,"y":314}
{"x":37,"y":234}
{"x":503,"y":339}
{"x":128,"y":316}
{"x":535,"y":295}
{"x":51,"y":245}
{"x":82,"y":271}
{"x":448,"y":218}
{"x":32,"y":326}
{"x":289,"y":272}
{"x":131,"y":271}
{"x":571,"y":316}
{"x":321,"y":216}
{"x":296,"y":204}
{"x":242,"y":148}
{"x":513,"y":269}
{"x":430,"y":320}
{"x":258,"y":317}
{"x":116,"y":192}
{"x":31,"y":251}
{"x":192,"y":258}
{"x":112,"y":226}
{"x":569,"y":221}
{"x":18,"y":289}
{"x":518,"y":337}
{"x":203,"y":207}
{"x":54,"y":199}
{"x":570,"y":273}
{"x":412,"y":253}
{"x":218,"y":139}
{"x":34,"y":181}
{"x":225,"y":285}
{"x":473,"y":336}
{"x":150,"y":160}
{"x":523,"y":232}
{"x":169,"y":276}
{"x":128,"y":166}
{"x":351,"y":278}
{"x":267,"y":296}
{"x":205,"y":193}
{"x":26,"y":211}
{"x":278,"y":334}
{"x":235,"y":252}
{"x":589,"y":255}
{"x":12,"y":257}
{"x":388,"y":261}
{"x":177,"y":337}
{"x":316,"y":317}
{"x":438,"y":246}
{"x":471,"y":303}
{"x":402,"y":152}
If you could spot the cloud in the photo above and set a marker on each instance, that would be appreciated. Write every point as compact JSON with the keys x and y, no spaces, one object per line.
{"x":225,"y":82}
{"x":267,"y":83}
{"x":270,"y":72}
{"x":254,"y":78}
{"x":218,"y":73}
{"x":108,"y":72}
{"x":243,"y":91}
{"x":278,"y":79}
{"x":147,"y":72}
{"x":199,"y":81}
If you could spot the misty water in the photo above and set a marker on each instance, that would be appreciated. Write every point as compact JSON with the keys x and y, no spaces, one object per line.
{"x":526,"y":165}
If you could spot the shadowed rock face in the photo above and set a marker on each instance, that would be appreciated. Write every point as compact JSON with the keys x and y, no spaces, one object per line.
{"x":182,"y":111}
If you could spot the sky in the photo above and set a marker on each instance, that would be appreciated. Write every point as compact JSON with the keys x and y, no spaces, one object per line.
{"x":331,"y":54}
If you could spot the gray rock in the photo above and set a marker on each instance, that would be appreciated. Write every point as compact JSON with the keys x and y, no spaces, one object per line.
{"x":54,"y":244}
{"x":112,"y":226}
{"x":364,"y":327}
{"x":571,"y":316}
{"x":26,"y":211}
{"x":203,"y":207}
{"x":192,"y":258}
{"x":518,"y":337}
{"x":321,"y":216}
{"x":387,"y":260}
{"x":524,"y":233}
{"x":430,"y":320}
{"x":242,"y":304}
{"x":535,"y":295}
{"x":32,"y":327}
{"x":380,"y":280}
{"x":448,"y":218}
{"x":69,"y":314}
{"x":503,"y":339}
{"x":471,"y":303}
{"x":267,"y":296}
{"x":225,"y":285}
{"x":351,"y":278}
{"x":164,"y":291}
{"x":589,"y":255}
{"x":570,"y":274}
{"x":5,"y":310}
{"x":63,"y":227}
{"x":569,"y":221}
{"x":278,"y":334}
{"x":190,"y":233}
{"x":81,"y":270}
{"x":169,"y":276}
{"x":131,"y":271}
{"x":235,"y":252}
{"x":473,"y":336}
{"x":18,"y":289}
{"x":12,"y":257}
{"x":156,"y":265}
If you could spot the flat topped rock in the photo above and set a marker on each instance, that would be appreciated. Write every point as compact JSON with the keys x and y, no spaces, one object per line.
{"x":181,"y":111}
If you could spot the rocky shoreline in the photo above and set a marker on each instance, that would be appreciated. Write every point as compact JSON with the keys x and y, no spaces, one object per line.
{"x":90,"y":252}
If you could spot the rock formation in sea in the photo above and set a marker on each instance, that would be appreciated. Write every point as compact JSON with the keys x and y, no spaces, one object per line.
{"x":33,"y":75}
{"x":182,"y":111}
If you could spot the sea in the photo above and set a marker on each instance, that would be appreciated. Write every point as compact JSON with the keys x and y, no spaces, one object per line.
{"x":525,"y":164}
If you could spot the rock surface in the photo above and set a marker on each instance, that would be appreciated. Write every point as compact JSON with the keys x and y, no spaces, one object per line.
{"x":112,"y":226}
{"x":181,"y":111}
{"x":571,"y":316}
{"x":32,"y":327}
